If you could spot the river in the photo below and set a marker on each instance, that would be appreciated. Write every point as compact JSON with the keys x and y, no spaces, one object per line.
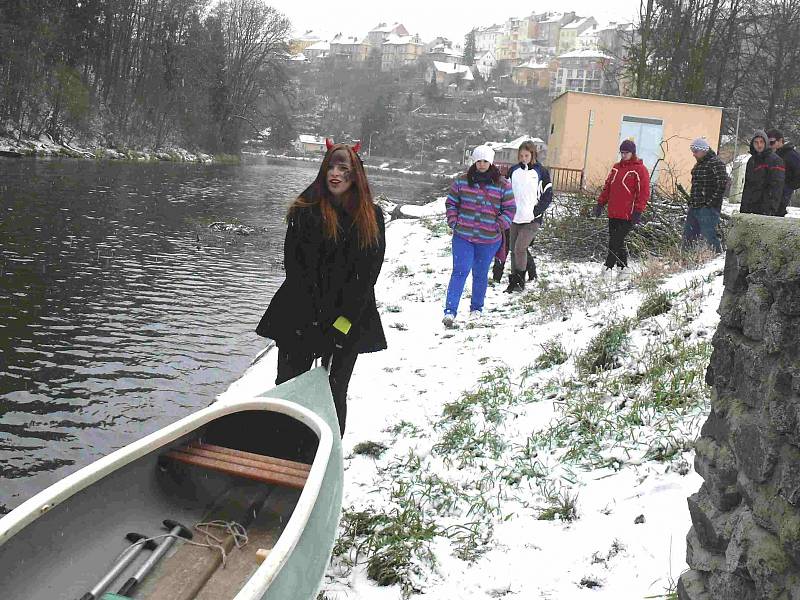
{"x":120,"y":311}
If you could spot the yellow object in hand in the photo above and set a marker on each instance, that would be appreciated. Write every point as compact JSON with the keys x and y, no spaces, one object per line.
{"x":343,"y":324}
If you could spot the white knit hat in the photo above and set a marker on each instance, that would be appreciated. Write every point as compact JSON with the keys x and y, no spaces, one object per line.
{"x":700,"y":144}
{"x":483,"y":153}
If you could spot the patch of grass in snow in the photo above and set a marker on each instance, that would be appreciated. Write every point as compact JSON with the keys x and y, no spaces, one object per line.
{"x":563,"y":507}
{"x":401,"y":271}
{"x":406,"y":428}
{"x":671,"y":260}
{"x":370,"y":448}
{"x":656,"y":303}
{"x":605,"y":349}
{"x":553,"y":354}
{"x":651,"y":410}
{"x":468,"y":425}
{"x":437,"y":226}
{"x":395,"y":543}
{"x":393,"y":308}
{"x":553,"y":301}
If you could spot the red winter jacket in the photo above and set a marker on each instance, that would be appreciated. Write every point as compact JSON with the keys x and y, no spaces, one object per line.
{"x":627,"y":189}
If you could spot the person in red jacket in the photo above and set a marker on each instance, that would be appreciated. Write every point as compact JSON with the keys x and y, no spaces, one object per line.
{"x":626,"y":192}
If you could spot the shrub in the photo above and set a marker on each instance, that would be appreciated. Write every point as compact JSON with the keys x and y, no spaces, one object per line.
{"x":655,"y":304}
{"x":604,"y":350}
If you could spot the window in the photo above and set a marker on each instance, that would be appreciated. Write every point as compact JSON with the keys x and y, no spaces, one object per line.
{"x":645,"y":120}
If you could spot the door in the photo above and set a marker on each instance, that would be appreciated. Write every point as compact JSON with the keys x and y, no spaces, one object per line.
{"x":647,"y":134}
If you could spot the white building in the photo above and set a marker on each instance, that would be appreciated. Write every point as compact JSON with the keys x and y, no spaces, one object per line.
{"x":485,"y":63}
{"x":486,"y":38}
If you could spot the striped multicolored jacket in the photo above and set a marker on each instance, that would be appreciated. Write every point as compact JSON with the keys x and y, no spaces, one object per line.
{"x":479,"y":213}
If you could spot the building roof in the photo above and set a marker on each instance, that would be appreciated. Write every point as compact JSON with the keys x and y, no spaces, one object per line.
{"x":449,"y":68}
{"x":532,"y":64}
{"x":514,"y":144}
{"x":442,"y":49}
{"x":384,"y":28}
{"x":310,"y":36}
{"x":564,"y":94}
{"x":585,"y":54}
{"x":346,"y":39}
{"x":578,"y":23}
{"x":299,"y":57}
{"x":306,"y":138}
{"x":490,"y":29}
{"x":322,"y":46}
{"x":402,"y":40}
{"x":555,"y":18}
{"x":483,"y":54}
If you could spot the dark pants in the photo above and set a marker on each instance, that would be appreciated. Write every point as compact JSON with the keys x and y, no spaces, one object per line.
{"x":702,"y":223}
{"x":787,"y":200}
{"x":292,"y":364}
{"x":618,"y":229}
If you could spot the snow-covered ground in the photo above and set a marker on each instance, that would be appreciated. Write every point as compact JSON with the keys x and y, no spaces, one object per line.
{"x":477,"y":466}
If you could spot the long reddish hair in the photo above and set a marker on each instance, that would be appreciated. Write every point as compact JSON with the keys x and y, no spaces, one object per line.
{"x":357,"y":201}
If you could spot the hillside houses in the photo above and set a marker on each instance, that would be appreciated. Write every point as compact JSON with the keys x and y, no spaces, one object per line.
{"x":548,"y":51}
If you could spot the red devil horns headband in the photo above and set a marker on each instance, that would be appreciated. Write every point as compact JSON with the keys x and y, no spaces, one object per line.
{"x":356,"y":147}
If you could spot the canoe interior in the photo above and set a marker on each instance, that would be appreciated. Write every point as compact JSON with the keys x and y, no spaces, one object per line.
{"x":63,"y":553}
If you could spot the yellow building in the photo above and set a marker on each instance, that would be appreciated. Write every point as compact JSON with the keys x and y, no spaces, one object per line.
{"x":400,"y":51}
{"x":532,"y":74}
{"x":587,"y":129}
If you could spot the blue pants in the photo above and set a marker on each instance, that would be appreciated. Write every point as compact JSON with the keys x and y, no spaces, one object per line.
{"x":469,"y":257}
{"x":702,"y":222}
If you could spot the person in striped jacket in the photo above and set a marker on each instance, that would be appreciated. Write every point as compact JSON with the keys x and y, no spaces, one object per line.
{"x":480,"y":207}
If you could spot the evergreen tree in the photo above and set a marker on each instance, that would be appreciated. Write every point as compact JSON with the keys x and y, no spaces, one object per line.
{"x":469,"y":49}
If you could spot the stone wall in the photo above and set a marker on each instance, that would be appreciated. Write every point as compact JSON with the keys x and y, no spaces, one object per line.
{"x":745,"y":538}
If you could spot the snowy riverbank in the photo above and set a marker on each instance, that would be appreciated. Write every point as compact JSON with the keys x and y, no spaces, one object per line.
{"x":45,"y":146}
{"x":542,"y":452}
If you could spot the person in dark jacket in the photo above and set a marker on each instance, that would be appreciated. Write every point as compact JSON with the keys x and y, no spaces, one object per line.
{"x":709,"y":180}
{"x":333,"y":254}
{"x":533,"y":193}
{"x":791,"y":162}
{"x":626,"y":192}
{"x":763,"y":179}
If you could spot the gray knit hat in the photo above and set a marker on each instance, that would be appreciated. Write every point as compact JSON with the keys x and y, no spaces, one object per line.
{"x":700,"y":145}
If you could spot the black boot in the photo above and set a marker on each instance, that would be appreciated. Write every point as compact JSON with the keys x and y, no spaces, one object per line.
{"x":531,"y":268}
{"x":497,"y":271}
{"x":516,"y":282}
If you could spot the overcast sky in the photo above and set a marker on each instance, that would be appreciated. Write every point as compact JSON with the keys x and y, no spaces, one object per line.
{"x":430,"y":18}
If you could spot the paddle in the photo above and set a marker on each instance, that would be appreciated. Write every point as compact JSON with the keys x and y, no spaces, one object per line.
{"x":123,"y":561}
{"x":176,"y":529}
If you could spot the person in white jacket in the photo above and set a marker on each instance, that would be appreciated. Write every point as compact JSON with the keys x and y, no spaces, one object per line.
{"x":533,"y":193}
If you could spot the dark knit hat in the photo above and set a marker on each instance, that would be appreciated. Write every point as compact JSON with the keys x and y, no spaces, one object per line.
{"x":628,"y":146}
{"x":774,"y":134}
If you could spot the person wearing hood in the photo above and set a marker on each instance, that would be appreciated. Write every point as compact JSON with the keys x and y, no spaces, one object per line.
{"x":480,"y":207}
{"x":709,"y":180}
{"x":626,"y":193}
{"x":791,"y":161}
{"x":763,"y":179}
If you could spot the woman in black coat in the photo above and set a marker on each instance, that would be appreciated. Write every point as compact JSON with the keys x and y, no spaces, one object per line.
{"x":333,"y":254}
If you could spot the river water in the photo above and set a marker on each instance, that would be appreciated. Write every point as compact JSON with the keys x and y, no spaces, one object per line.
{"x":120,"y":311}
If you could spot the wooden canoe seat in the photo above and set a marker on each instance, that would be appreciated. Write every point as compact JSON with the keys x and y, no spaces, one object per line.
{"x":277,"y":471}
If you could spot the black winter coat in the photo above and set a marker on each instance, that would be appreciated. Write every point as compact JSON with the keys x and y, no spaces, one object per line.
{"x":326,"y":280}
{"x":763,"y":183}
{"x":791,"y":160}
{"x":709,"y":180}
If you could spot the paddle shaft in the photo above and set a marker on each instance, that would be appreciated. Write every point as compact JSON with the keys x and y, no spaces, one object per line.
{"x":127,"y":558}
{"x":158,"y":553}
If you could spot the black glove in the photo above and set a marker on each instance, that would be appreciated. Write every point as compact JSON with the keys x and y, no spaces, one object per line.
{"x":597,"y":210}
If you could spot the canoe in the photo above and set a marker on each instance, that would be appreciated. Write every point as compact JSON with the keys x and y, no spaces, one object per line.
{"x":271,"y":462}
